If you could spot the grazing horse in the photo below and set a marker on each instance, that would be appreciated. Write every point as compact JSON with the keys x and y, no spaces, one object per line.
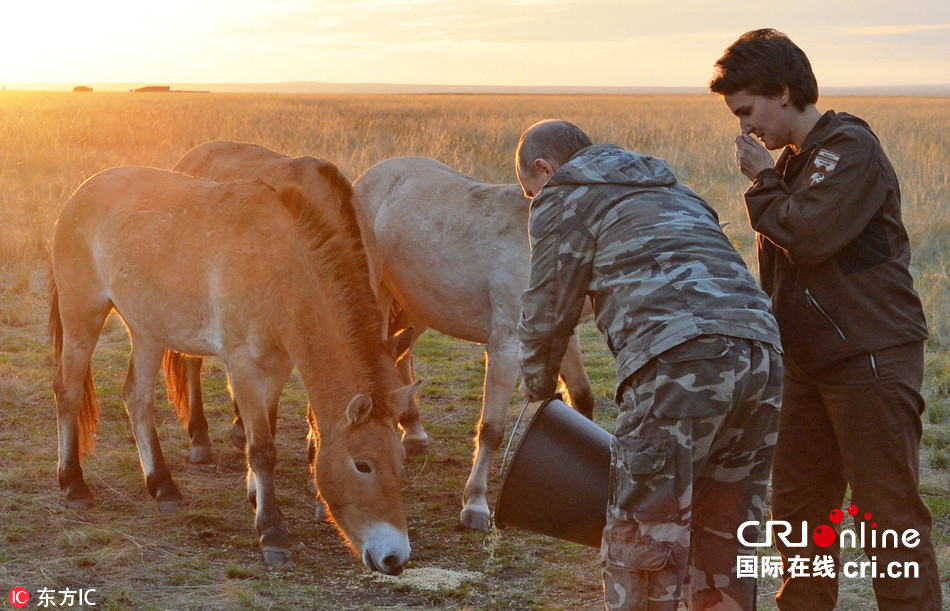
{"x":256,"y":279}
{"x":453,"y":253}
{"x":221,"y":160}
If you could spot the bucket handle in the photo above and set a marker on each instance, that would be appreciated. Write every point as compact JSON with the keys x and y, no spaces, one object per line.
{"x":514,"y":431}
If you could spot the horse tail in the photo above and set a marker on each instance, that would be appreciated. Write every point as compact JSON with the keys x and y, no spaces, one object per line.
{"x":89,"y":407}
{"x":55,"y":323}
{"x":176,"y":384}
{"x":88,"y":417}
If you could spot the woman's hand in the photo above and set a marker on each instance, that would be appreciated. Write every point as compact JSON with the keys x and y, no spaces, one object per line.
{"x":751,"y":156}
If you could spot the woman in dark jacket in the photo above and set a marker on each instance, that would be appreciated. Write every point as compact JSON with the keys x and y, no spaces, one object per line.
{"x":834,"y":257}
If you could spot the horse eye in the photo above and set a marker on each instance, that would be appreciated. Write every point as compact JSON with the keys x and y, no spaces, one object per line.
{"x":363,"y":466}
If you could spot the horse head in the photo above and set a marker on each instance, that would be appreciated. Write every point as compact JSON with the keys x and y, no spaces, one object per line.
{"x":359,"y":475}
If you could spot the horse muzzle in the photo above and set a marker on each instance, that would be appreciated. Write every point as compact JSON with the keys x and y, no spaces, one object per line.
{"x":386,"y":549}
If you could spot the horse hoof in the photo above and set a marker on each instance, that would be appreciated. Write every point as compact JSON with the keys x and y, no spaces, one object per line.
{"x":81,"y":504}
{"x":320,"y":511}
{"x":278,"y":557}
{"x":476,"y":520}
{"x":200,"y":455}
{"x":415,"y":447}
{"x":170,"y":506}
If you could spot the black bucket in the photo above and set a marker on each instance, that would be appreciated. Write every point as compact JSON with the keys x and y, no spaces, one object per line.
{"x":558,"y":479}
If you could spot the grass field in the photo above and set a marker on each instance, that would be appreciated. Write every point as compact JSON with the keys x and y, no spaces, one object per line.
{"x":207,"y":557}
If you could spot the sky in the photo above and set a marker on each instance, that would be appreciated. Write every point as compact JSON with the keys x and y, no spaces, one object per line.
{"x":584,"y":43}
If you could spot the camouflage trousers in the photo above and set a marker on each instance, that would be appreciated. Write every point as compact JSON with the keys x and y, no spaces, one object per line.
{"x":690,"y":462}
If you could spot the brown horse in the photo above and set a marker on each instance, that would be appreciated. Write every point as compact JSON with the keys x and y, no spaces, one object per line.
{"x":255,"y":280}
{"x":223,"y":161}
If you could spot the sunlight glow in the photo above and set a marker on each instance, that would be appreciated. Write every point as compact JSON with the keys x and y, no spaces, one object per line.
{"x":611,"y":43}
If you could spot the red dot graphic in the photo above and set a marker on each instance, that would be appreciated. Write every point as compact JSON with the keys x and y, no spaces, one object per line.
{"x":823,"y":536}
{"x":836,"y":516}
{"x":873,"y":524}
{"x":853,"y":510}
{"x":867,"y":516}
{"x":19,"y":597}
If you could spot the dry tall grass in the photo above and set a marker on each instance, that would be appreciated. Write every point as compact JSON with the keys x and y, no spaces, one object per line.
{"x":51,"y":142}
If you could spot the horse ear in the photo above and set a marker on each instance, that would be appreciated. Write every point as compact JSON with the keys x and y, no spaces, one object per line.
{"x":402,"y":397}
{"x":399,"y":344}
{"x":358,"y":410}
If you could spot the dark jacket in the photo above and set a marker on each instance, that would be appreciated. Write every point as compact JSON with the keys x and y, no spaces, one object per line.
{"x":833,"y":252}
{"x":618,"y":227}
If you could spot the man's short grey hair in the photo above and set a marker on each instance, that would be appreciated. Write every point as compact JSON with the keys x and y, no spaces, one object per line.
{"x":553,"y":140}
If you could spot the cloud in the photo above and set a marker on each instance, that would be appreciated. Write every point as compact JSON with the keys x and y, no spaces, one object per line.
{"x":375,"y":22}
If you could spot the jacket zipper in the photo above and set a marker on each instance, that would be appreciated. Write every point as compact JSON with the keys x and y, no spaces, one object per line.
{"x":810,"y":301}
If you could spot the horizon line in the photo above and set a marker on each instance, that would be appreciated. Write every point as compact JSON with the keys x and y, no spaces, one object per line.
{"x":318,"y":87}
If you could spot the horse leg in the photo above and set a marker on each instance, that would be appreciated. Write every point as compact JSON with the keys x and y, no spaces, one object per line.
{"x":575,"y":378}
{"x":238,"y":434}
{"x":257,"y":393}
{"x":415,"y":440}
{"x":501,"y":374}
{"x":197,"y":423}
{"x":138,"y":393}
{"x":80,"y":334}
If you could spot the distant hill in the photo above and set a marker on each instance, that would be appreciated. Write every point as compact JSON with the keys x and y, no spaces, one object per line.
{"x":396,"y":88}
{"x":312,"y":87}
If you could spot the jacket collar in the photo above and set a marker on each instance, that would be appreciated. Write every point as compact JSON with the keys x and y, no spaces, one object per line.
{"x":817,"y":132}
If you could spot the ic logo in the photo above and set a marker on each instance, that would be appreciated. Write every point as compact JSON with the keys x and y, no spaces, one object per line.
{"x":19,"y":597}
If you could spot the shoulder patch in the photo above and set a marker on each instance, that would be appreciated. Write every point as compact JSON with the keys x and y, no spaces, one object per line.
{"x":826,"y":160}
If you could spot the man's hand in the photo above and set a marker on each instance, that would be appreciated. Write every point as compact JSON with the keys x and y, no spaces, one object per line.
{"x":752,"y":156}
{"x":527,"y":394}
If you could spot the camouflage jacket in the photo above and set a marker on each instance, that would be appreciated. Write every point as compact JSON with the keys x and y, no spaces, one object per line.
{"x":618,"y":227}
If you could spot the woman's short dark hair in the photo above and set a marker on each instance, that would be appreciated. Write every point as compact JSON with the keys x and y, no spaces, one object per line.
{"x":764,"y":62}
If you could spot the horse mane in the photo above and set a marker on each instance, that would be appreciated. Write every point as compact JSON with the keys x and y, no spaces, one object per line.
{"x":339,"y":184}
{"x":340,"y":259}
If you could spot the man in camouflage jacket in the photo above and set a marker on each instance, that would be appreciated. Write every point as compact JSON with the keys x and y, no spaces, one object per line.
{"x":698,"y":362}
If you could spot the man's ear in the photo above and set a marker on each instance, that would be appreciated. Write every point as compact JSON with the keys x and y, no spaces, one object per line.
{"x":545,"y":167}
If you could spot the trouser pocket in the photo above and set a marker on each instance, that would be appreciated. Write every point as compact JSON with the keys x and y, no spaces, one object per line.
{"x":641,"y":554}
{"x":643,"y":479}
{"x":639,"y":573}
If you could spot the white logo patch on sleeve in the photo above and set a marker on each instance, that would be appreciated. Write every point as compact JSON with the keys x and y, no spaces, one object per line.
{"x":826,"y":160}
